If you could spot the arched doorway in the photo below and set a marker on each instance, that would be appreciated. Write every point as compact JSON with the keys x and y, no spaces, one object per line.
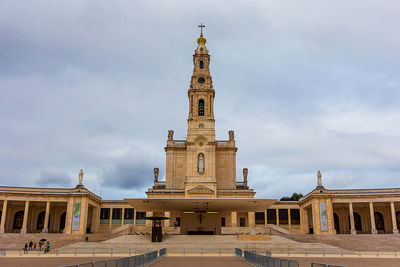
{"x":336,"y":223}
{"x":18,"y":221}
{"x":379,"y":222}
{"x":40,"y":221}
{"x":357,"y":222}
{"x":62,"y":222}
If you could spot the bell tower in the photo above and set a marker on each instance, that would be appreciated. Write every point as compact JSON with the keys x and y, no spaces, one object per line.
{"x":201,"y":94}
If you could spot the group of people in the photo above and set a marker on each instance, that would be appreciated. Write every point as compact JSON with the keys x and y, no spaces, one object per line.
{"x":43,"y":246}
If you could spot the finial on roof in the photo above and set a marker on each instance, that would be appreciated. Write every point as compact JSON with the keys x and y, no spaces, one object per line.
{"x":201,"y":26}
{"x":201,"y":39}
{"x":80,"y":177}
{"x":319,"y":181}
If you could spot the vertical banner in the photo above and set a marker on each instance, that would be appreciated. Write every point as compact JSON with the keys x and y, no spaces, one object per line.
{"x":322,"y":217}
{"x":76,"y":216}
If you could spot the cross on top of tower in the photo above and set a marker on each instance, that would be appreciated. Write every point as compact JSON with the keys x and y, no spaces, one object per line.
{"x":201,"y":26}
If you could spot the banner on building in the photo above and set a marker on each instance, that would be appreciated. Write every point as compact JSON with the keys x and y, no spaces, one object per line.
{"x":76,"y":216}
{"x":322,"y":216}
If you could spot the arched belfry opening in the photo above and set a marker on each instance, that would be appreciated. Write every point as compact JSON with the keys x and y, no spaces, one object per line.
{"x":201,"y":107}
{"x":201,"y":64}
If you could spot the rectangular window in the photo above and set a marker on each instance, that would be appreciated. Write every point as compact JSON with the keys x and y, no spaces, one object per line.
{"x":260,"y":218}
{"x":140,"y":217}
{"x":283,"y":216}
{"x":128,"y":214}
{"x":295,"y":216}
{"x":223,"y":221}
{"x":117,"y":213}
{"x":104,"y":216}
{"x":271,"y":216}
{"x":178,"y":221}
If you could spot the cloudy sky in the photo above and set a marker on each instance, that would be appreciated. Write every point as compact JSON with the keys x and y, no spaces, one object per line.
{"x":306,"y":85}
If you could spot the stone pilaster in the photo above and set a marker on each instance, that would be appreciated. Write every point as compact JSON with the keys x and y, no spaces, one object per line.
{"x":25,"y":222}
{"x":3,"y":217}
{"x":234,"y":219}
{"x":394,"y":221}
{"x":372,"y":216}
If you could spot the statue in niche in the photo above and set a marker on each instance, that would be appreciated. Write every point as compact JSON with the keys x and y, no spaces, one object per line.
{"x":170,"y":135}
{"x":231,"y":135}
{"x":245,"y":172}
{"x":81,"y":177}
{"x":200,"y":164}
{"x":156,"y":171}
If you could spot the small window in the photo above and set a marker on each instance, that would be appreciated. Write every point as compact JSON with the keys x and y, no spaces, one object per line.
{"x":201,"y":107}
{"x":104,"y":213}
{"x":201,"y":64}
{"x":223,"y":221}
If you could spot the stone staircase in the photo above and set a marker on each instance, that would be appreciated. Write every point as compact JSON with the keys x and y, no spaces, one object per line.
{"x":360,"y":242}
{"x":11,"y":241}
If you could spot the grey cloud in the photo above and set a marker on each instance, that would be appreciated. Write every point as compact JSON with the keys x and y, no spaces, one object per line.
{"x":53,"y":178}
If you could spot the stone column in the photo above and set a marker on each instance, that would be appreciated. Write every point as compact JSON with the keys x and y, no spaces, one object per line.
{"x":46,"y":218}
{"x":289,"y":220}
{"x":149,"y":222}
{"x":3,"y":217}
{"x":134,"y":217}
{"x":329,"y":215}
{"x":110,"y":222}
{"x":25,"y":223}
{"x":394,"y":221}
{"x":304,"y":220}
{"x":265,"y":216}
{"x":95,"y":220}
{"x":123,"y":216}
{"x":315,"y":215}
{"x":372,"y":215}
{"x":252,"y":218}
{"x":68,"y":216}
{"x":84,"y":215}
{"x":353,"y":230}
{"x":167,"y":222}
{"x":277,"y":217}
{"x":234,"y":219}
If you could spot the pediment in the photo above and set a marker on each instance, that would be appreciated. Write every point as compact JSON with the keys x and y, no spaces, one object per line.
{"x":201,"y":190}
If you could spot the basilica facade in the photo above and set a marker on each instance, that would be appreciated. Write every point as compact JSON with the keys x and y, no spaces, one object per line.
{"x":201,"y":193}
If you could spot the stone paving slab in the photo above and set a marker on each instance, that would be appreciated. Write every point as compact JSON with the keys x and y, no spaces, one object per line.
{"x":200,"y":262}
{"x":46,"y":261}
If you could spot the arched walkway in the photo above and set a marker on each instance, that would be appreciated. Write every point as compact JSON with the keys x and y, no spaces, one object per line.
{"x":40,"y":221}
{"x":62,"y":222}
{"x":336,"y":223}
{"x":379,"y":222}
{"x":18,"y":221}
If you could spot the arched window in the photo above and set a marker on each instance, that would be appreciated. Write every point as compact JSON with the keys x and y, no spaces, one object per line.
{"x":200,"y":163}
{"x":201,"y":107}
{"x":379,"y":222}
{"x":336,"y":223}
{"x":18,"y":220}
{"x":201,"y":64}
{"x":40,"y":221}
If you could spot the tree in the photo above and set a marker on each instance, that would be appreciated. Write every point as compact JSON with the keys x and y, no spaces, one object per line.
{"x":295,"y":197}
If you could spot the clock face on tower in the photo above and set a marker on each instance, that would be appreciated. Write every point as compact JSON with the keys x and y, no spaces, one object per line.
{"x":201,"y":80}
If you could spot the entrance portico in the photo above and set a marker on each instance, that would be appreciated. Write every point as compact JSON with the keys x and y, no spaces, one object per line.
{"x":203,"y":216}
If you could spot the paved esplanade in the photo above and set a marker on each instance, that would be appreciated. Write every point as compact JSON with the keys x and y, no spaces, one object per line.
{"x":201,"y":261}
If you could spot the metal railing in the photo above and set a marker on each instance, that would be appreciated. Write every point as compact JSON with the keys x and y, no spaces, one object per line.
{"x":134,"y":261}
{"x":315,"y":264}
{"x":265,"y":261}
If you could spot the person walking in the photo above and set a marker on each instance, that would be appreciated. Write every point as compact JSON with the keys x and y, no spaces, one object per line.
{"x":40,"y":245}
{"x":26,"y":248}
{"x":30,"y":245}
{"x":48,"y":247}
{"x":34,"y":246}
